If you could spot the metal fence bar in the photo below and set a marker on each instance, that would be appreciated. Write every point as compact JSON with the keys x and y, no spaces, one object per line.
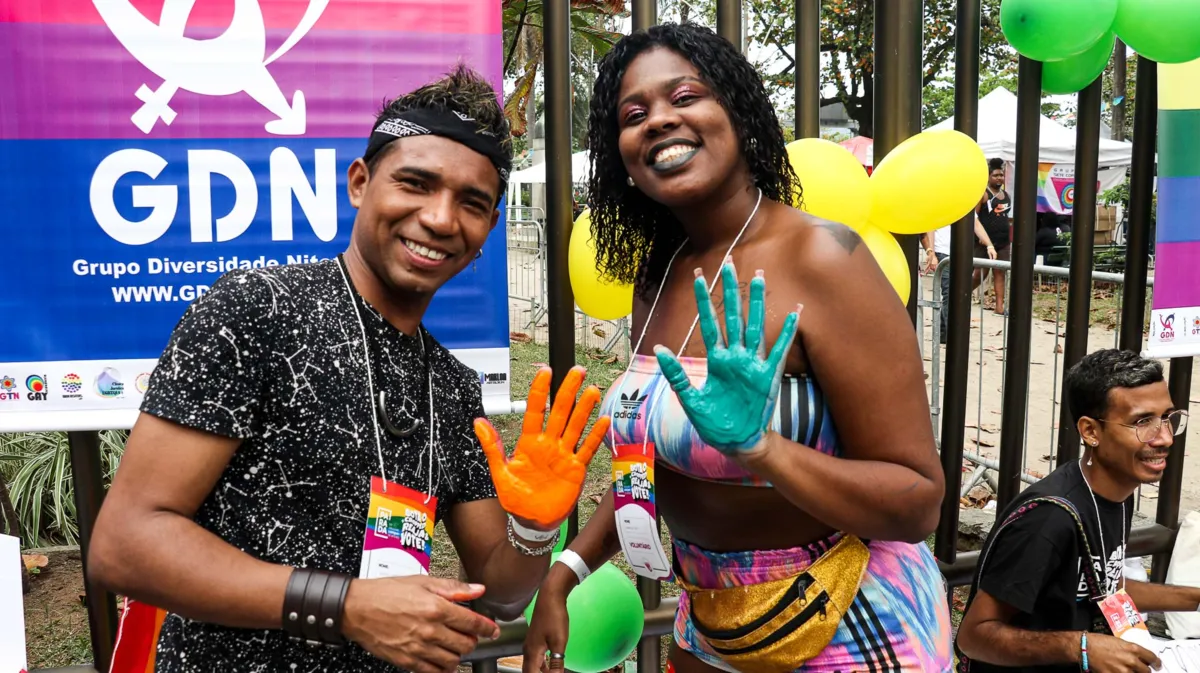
{"x":1083,"y":234}
{"x":897,"y":105}
{"x":649,"y":648}
{"x":1170,"y":486}
{"x":87,"y":470}
{"x":808,"y":68}
{"x":659,"y":622}
{"x":729,"y":22}
{"x":644,"y":13}
{"x":989,"y":464}
{"x":1020,"y":277}
{"x":958,"y":347}
{"x":556,"y":33}
{"x":1141,"y":191}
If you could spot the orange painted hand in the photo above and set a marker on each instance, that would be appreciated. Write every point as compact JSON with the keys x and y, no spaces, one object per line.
{"x":540,"y":484}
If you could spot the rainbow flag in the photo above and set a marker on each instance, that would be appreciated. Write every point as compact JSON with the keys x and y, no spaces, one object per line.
{"x":1175,"y":312}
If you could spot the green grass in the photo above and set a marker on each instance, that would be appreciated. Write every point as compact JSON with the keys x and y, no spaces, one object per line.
{"x":1050,"y":304}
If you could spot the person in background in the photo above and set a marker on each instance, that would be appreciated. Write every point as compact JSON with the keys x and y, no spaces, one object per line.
{"x":995,"y":212}
{"x":1050,"y":230}
{"x":937,"y":247}
{"x":1060,"y":546}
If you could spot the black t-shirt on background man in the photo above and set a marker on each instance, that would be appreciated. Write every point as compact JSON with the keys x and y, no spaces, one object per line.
{"x":995,"y":214}
{"x":274,"y":357}
{"x":1035,"y":564}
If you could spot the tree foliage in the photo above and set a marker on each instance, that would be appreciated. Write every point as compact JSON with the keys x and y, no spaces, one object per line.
{"x":848,"y":48}
{"x":592,"y":35}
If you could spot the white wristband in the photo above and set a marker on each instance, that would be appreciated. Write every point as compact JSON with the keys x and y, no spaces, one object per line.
{"x":575,"y":563}
{"x":529,"y":533}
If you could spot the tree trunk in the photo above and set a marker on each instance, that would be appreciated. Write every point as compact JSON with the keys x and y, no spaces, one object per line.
{"x":12,"y":526}
{"x":684,"y":10}
{"x":862,"y":110}
{"x":1119,"y":91}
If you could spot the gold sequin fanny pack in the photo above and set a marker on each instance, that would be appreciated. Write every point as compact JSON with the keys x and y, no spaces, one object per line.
{"x":776,"y":626}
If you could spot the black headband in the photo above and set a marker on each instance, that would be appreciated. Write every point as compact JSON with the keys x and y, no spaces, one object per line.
{"x":453,"y":125}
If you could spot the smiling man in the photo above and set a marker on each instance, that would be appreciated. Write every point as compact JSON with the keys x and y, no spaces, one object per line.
{"x":1060,"y":547}
{"x":303,"y":434}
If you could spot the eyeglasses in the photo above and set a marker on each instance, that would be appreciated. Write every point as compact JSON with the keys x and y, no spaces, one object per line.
{"x":1148,"y":428}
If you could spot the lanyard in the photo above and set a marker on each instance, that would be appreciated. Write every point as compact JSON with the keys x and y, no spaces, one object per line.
{"x":1100,"y":527}
{"x":371,"y":386}
{"x":638,"y":346}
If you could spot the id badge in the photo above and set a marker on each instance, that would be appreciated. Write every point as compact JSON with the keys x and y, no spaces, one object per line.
{"x":398,"y":540}
{"x":1124,"y":619}
{"x":637,"y":520}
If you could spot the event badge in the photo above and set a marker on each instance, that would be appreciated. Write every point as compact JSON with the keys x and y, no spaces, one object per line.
{"x":1124,"y":619}
{"x":399,"y":536}
{"x":637,"y":520}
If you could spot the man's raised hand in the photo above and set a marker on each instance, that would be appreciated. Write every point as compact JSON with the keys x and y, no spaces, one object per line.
{"x":540,"y":484}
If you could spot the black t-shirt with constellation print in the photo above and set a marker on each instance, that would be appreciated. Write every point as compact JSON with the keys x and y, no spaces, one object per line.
{"x":1035,"y":564}
{"x":274,"y":357}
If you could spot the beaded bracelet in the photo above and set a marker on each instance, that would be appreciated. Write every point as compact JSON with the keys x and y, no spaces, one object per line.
{"x":1083,"y":664}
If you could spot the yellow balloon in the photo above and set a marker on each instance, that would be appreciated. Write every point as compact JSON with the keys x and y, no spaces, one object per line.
{"x":927,"y":182}
{"x":835,"y":185}
{"x":598,"y":299}
{"x":890,"y":257}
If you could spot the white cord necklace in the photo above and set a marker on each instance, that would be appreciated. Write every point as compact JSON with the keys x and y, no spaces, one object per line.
{"x":1100,"y":527}
{"x":650,"y":316}
{"x":371,"y":389}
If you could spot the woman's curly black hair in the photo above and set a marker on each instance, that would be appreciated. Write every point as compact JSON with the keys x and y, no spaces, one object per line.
{"x":635,"y":235}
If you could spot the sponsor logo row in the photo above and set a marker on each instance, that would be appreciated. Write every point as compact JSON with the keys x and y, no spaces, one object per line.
{"x":1164,"y":329}
{"x":108,"y":384}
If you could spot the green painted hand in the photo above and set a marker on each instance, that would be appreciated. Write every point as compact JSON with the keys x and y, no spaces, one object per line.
{"x":732,"y":410}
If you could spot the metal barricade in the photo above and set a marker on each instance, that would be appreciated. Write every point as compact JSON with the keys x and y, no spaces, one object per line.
{"x":527,"y":289}
{"x":1058,"y":275}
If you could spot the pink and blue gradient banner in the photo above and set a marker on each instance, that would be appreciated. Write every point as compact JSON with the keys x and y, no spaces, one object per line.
{"x":67,"y":74}
{"x":1175,"y":312}
{"x":148,"y":146}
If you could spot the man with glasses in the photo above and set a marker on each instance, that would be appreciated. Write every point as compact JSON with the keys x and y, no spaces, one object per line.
{"x":1058,"y":551}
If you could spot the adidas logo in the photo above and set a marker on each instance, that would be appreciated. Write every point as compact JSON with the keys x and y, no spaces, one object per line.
{"x":629,"y":403}
{"x":632,"y":400}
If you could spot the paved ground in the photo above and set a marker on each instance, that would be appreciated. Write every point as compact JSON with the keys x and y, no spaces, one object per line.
{"x":986,"y":384}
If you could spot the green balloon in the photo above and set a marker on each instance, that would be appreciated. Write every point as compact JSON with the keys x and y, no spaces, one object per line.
{"x":606,"y":620}
{"x":1051,"y":30}
{"x":1073,"y":74}
{"x":562,"y":539}
{"x":1166,"y":31}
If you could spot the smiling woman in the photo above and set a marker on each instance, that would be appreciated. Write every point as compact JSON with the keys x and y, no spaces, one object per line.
{"x":786,"y":451}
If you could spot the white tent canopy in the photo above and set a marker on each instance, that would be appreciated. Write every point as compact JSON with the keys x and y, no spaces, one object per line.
{"x":1056,"y":143}
{"x":581,"y":170}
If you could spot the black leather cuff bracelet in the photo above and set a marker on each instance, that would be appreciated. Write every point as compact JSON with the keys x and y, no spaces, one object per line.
{"x":312,"y":607}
